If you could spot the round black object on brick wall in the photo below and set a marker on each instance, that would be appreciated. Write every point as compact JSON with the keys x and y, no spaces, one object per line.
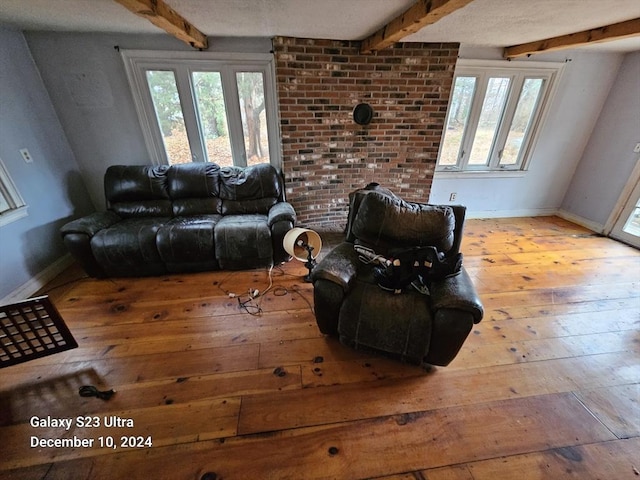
{"x":362,"y":114}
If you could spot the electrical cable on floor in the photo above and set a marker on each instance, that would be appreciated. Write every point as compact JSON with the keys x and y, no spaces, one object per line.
{"x":253,"y":304}
{"x":91,"y":391}
{"x":55,"y":287}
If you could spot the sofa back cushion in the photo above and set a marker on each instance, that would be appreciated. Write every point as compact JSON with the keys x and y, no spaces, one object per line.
{"x":195,"y":188}
{"x":386,"y":222}
{"x":137,"y":190}
{"x":254,"y":189}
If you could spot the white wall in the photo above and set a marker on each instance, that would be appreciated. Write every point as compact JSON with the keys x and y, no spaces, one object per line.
{"x":51,"y":186}
{"x":608,"y":158}
{"x":583,"y":87}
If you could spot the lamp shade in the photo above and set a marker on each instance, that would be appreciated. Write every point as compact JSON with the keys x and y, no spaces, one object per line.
{"x":297,"y":238}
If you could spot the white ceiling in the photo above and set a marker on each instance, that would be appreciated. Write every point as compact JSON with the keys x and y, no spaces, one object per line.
{"x":497,"y":23}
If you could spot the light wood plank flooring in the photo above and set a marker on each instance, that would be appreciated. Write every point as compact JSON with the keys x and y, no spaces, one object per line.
{"x":546,"y":387}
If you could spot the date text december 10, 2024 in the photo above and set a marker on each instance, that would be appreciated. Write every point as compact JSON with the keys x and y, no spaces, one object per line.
{"x":91,"y":422}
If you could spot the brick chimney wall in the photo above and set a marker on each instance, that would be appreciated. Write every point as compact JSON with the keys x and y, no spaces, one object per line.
{"x":326,"y":154}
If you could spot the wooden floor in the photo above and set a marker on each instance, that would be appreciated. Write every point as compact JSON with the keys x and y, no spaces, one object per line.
{"x":546,"y":387}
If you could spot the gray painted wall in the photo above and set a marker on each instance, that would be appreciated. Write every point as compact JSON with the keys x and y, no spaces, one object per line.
{"x":608,"y":158}
{"x":583,"y":87}
{"x":51,"y":185}
{"x":86,"y":79}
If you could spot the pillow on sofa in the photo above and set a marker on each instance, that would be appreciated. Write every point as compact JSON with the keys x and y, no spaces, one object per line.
{"x":386,"y":222}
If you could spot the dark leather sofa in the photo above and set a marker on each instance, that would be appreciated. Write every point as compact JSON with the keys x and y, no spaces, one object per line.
{"x":411,"y":326}
{"x":183,"y":218}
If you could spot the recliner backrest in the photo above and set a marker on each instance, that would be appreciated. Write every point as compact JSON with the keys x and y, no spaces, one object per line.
{"x":385,"y":222}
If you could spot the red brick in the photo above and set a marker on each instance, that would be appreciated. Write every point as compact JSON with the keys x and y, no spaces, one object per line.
{"x":326,"y":154}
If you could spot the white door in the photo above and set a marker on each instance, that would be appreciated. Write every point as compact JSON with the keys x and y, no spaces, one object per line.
{"x":627,"y":226}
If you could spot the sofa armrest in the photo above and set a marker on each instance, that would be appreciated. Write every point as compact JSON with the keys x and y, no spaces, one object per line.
{"x":457,"y":293}
{"x":281,"y":211}
{"x":77,"y":237}
{"x":338,"y":266}
{"x":91,"y":224}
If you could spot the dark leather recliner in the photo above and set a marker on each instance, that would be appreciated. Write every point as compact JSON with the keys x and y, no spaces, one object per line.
{"x":183,"y":218}
{"x":411,"y":326}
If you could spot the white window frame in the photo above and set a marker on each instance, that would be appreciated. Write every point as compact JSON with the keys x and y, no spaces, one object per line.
{"x":9,"y":191}
{"x":137,"y":62}
{"x":517,"y":72}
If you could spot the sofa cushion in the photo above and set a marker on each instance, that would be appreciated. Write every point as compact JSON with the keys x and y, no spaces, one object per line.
{"x":385,"y":222}
{"x":128,"y":248}
{"x":194,"y":180}
{"x":195,"y":188}
{"x":128,"y":183}
{"x":183,"y":207}
{"x":243,"y":241}
{"x":187,"y":243}
{"x":136,"y":191}
{"x":143,"y":208}
{"x":241,"y":207}
{"x":250,"y":183}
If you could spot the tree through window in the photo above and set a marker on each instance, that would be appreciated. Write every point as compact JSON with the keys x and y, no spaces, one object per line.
{"x":215,"y":110}
{"x":493,"y":115}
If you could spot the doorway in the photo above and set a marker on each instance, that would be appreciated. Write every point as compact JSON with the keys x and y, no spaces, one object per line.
{"x":625,"y":225}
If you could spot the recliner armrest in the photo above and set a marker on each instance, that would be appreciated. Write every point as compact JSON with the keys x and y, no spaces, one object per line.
{"x":91,"y":224}
{"x":339,"y":266}
{"x":281,"y":211}
{"x":457,"y":293}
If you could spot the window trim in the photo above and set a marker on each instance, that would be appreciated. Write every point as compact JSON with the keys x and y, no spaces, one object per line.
{"x":17,"y":206}
{"x":184,"y":63}
{"x":518,"y":72}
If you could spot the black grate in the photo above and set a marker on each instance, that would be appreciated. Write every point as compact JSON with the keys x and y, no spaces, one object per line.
{"x":32,"y":329}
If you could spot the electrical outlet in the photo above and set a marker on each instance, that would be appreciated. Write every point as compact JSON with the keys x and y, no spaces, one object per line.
{"x":26,"y":155}
{"x":452,"y":196}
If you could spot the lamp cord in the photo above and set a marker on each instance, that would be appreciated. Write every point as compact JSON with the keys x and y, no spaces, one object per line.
{"x":91,"y":391}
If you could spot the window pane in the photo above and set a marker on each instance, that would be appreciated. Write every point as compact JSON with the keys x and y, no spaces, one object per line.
{"x":521,"y":120}
{"x":254,"y":119}
{"x":4,"y":205}
{"x":632,"y":225}
{"x":213,"y":117}
{"x":461,"y":100}
{"x":166,"y":102}
{"x":490,"y":115}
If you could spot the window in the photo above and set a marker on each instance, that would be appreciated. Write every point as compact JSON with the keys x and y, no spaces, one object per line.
{"x":206,"y":107}
{"x":12,"y":206}
{"x":493,"y":116}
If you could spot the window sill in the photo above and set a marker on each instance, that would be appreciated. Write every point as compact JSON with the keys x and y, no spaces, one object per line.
{"x":480,"y":174}
{"x":13,"y":215}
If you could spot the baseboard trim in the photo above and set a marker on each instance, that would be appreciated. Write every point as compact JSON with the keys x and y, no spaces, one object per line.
{"x":537,"y":212}
{"x":583,"y":222}
{"x":27,"y":289}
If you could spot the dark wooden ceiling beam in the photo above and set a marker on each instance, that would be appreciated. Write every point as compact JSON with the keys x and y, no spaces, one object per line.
{"x":421,"y":14}
{"x":616,"y":31}
{"x":165,"y":17}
